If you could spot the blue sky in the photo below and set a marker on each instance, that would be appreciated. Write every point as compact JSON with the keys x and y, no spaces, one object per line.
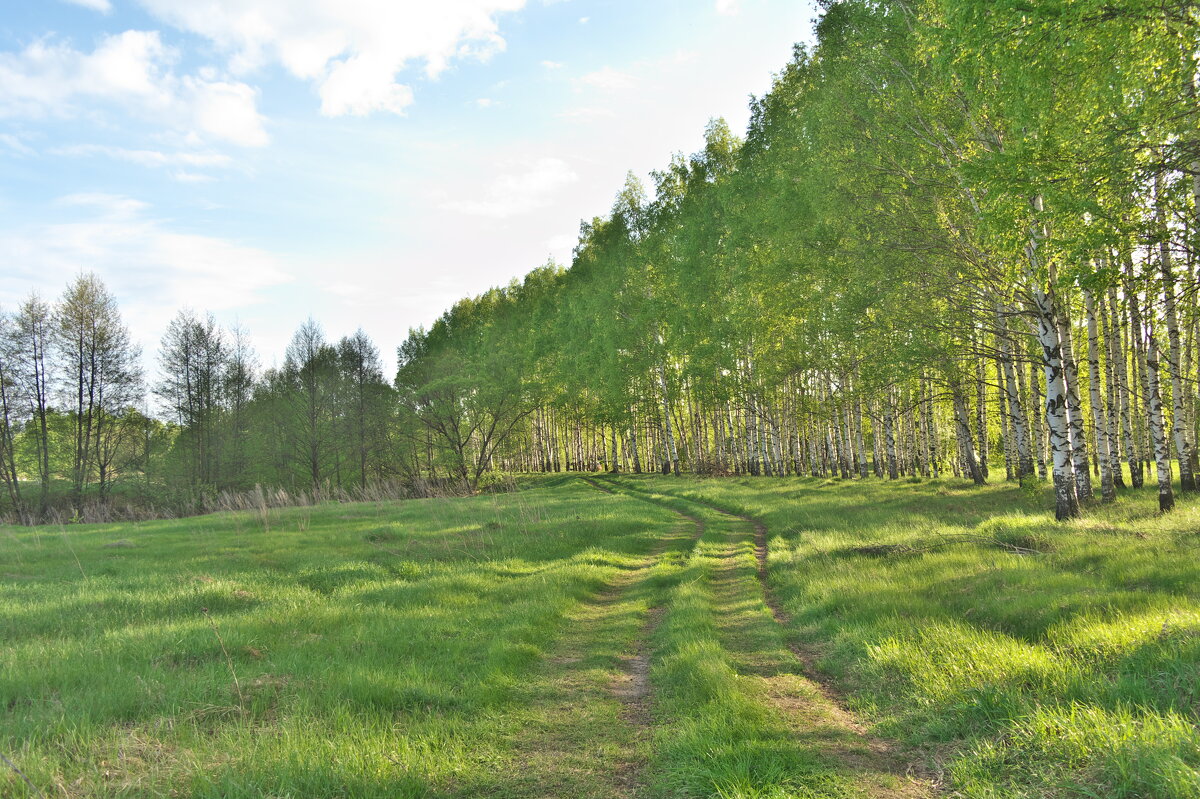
{"x":365,"y":162}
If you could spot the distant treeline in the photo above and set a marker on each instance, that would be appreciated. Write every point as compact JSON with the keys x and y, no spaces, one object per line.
{"x":958,"y":236}
{"x":76,"y":434}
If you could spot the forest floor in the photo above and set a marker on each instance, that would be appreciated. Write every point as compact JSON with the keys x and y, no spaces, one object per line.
{"x":597,"y":636}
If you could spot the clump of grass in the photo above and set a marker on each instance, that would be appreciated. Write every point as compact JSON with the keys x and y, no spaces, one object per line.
{"x":1071,"y":671}
{"x":326,"y":665}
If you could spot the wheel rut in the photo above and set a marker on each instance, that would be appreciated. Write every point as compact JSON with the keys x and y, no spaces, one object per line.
{"x":590,"y":753}
{"x":633,"y":686}
{"x":814,"y":707}
{"x":807,"y":658}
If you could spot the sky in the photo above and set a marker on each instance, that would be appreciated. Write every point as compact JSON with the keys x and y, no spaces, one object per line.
{"x":363,"y":162}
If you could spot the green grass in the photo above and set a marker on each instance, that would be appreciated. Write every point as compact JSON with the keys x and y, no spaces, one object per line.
{"x":1074,"y":672}
{"x":496,"y":646}
{"x":378,"y":649}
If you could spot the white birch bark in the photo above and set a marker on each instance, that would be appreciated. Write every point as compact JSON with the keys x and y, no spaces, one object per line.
{"x":858,"y":439}
{"x":981,"y":417}
{"x":963,"y":423}
{"x":1121,"y":371}
{"x":1016,"y":411}
{"x":668,"y":432}
{"x":1108,"y":491}
{"x":1111,"y":399}
{"x":1066,"y":497}
{"x":1079,"y":453}
{"x":1038,"y":434}
{"x":931,"y":445}
{"x":633,"y":443}
{"x":1154,"y":413}
{"x":1178,"y":414}
{"x":889,"y":437}
{"x":1007,"y":445}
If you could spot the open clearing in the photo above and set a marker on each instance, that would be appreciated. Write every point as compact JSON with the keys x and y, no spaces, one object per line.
{"x":610,"y":637}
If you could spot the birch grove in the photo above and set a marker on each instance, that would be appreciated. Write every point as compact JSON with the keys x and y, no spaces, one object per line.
{"x":912,"y":264}
{"x":958,"y":238}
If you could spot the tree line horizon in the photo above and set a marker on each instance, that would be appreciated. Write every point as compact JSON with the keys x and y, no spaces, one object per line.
{"x":957,"y":237}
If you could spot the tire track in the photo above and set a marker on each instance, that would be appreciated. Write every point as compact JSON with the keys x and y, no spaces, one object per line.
{"x":632,"y":686}
{"x":808,"y":659}
{"x":873,"y":752}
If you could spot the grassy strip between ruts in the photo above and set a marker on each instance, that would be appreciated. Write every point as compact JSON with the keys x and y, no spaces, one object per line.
{"x":737,"y":718}
{"x":1073,"y":672}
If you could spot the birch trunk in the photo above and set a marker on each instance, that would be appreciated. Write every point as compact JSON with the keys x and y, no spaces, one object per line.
{"x":1154,"y":414}
{"x":858,"y":439}
{"x":1121,"y":370}
{"x":1108,"y":491}
{"x":1139,"y":366}
{"x":1111,"y":403}
{"x":633,"y":443}
{"x":668,"y":432}
{"x":889,"y":437}
{"x":1007,"y":445}
{"x":962,"y":420}
{"x":1066,"y":496}
{"x":1016,"y":411}
{"x":614,"y":467}
{"x":1079,"y":453}
{"x":981,"y":417}
{"x":1038,"y":434}
{"x":931,"y":450}
{"x":1183,"y":452}
{"x":847,"y":440}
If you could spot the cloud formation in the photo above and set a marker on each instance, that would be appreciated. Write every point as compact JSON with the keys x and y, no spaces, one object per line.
{"x":514,"y":194}
{"x":352,"y":52}
{"x":131,"y":71}
{"x":153,"y":268}
{"x":103,"y":6}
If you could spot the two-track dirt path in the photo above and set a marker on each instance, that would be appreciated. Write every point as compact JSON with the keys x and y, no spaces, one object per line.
{"x":754,"y":630}
{"x":589,"y":729}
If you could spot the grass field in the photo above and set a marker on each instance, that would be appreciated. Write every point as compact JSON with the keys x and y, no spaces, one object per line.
{"x":631,"y":636}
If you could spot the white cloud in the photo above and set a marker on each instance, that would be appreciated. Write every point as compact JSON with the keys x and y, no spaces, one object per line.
{"x":153,"y":269}
{"x":15,"y":144}
{"x":147,"y":158}
{"x":132,"y":71}
{"x":587,"y":114}
{"x":729,"y":7}
{"x":103,"y":6}
{"x":352,"y":50}
{"x":606,"y":79}
{"x":485,"y":102}
{"x":552,"y":65}
{"x":192,"y":177}
{"x":516,"y":194}
{"x":359,"y":85}
{"x":563,"y":241}
{"x":111,"y":207}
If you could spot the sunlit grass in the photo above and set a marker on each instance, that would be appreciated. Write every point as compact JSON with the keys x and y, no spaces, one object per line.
{"x":468,"y":647}
{"x":1074,"y":671}
{"x":344,"y":650}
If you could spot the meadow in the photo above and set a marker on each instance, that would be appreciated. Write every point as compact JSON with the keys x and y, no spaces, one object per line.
{"x":600,"y":636}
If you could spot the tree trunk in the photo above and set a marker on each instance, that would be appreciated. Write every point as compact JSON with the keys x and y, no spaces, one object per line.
{"x":1178,"y":414}
{"x":1108,"y":491}
{"x":962,"y":421}
{"x":1016,"y":411}
{"x":889,"y":437}
{"x":1121,"y":369}
{"x":1162,"y":456}
{"x":1079,"y":453}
